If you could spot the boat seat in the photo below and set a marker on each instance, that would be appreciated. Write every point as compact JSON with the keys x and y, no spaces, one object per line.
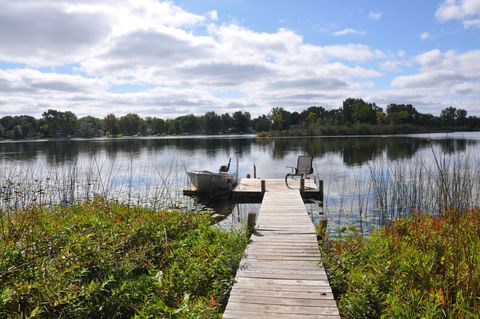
{"x":303,"y":169}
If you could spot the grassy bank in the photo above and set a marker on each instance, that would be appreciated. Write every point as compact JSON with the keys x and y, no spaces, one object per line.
{"x":105,"y":260}
{"x":420,"y":267}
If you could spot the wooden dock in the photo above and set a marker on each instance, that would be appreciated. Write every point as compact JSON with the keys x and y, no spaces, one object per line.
{"x":280,"y":275}
{"x":249,"y":190}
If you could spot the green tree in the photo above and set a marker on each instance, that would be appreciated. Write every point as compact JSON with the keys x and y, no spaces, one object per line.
{"x":60,"y":124}
{"x":448,"y":116}
{"x":212,"y":122}
{"x":402,"y":114}
{"x":227,"y":123}
{"x":278,"y":115}
{"x":130,"y":124}
{"x":359,"y":111}
{"x":2,"y":131}
{"x":241,"y":121}
{"x":17,"y":132}
{"x":263,"y":124}
{"x":90,"y":126}
{"x":188,"y":124}
{"x":156,"y":126}
{"x":111,"y":124}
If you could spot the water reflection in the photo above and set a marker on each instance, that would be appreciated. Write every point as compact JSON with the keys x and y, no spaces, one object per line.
{"x":340,"y":161}
{"x":353,"y":151}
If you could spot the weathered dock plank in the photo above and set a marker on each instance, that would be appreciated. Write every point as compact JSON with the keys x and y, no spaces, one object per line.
{"x":280,"y":275}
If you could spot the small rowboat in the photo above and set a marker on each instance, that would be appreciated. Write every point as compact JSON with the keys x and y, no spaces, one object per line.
{"x":210,"y":182}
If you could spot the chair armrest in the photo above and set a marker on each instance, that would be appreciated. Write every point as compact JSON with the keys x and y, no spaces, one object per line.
{"x":293,"y":168}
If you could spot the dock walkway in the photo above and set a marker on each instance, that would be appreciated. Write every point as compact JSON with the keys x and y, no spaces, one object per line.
{"x":280,"y":275}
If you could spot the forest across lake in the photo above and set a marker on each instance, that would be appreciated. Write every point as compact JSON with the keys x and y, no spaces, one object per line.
{"x":354,"y":117}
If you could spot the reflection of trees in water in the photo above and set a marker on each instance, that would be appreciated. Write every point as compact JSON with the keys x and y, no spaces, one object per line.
{"x":455,"y":145}
{"x":353,"y":150}
{"x":65,"y":151}
{"x":359,"y":150}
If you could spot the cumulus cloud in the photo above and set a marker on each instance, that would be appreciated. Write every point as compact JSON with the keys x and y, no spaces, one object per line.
{"x":457,"y":9}
{"x":444,"y":72}
{"x":471,"y":24}
{"x":38,"y":33}
{"x":424,"y":36}
{"x":375,"y":16}
{"x":463,"y":10}
{"x":348,"y":31}
{"x":176,"y":62}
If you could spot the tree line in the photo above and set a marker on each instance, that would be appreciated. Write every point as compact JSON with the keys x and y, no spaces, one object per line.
{"x":354,"y":113}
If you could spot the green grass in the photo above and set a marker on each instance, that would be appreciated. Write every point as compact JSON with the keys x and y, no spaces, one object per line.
{"x":101,"y":259}
{"x":421,"y":267}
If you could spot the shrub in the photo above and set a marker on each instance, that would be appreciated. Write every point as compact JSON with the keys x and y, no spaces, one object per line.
{"x":420,"y":267}
{"x":106,"y":260}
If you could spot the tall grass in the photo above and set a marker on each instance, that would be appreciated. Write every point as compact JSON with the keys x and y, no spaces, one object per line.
{"x":425,"y":262}
{"x":434,"y":186}
{"x":101,"y":259}
{"x":156,"y":186}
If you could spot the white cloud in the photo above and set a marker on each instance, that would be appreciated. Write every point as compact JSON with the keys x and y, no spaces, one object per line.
{"x":471,"y":24}
{"x":457,"y":9}
{"x":348,"y":31}
{"x":213,"y":15}
{"x":460,"y":10}
{"x":375,"y":16}
{"x":444,"y":71}
{"x":424,"y":36}
{"x":177,"y":62}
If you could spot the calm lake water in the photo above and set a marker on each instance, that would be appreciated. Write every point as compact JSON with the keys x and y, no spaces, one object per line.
{"x":151,"y":171}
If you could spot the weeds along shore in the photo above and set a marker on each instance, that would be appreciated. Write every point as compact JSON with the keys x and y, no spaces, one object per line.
{"x":101,"y":259}
{"x":424,"y":261}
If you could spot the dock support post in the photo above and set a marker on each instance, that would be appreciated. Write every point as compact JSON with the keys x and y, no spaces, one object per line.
{"x":254,"y":171}
{"x":302,"y":185}
{"x":320,"y":190}
{"x":262,"y":183}
{"x":251,"y":222}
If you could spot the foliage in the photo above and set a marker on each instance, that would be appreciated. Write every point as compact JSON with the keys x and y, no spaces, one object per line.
{"x":354,"y":117}
{"x":101,"y":259}
{"x":421,"y":267}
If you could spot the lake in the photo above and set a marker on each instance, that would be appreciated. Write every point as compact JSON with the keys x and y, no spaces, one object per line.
{"x":151,"y":171}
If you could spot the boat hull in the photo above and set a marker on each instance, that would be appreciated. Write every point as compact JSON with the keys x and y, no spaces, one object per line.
{"x":205,"y":181}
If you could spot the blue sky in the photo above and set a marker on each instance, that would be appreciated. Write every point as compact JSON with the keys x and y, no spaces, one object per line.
{"x":177,"y":57}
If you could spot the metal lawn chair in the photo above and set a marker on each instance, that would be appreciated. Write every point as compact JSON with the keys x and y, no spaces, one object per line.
{"x":303,"y":169}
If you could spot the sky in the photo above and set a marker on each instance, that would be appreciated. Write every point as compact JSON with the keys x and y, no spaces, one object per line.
{"x":171,"y":58}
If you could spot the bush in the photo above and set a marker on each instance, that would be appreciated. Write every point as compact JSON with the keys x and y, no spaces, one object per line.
{"x":105,"y":260}
{"x":421,"y":267}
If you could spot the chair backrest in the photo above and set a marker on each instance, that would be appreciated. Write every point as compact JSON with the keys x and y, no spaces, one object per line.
{"x":304,"y":165}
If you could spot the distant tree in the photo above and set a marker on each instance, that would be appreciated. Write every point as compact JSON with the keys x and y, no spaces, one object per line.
{"x":111,"y":124}
{"x":461,"y":117}
{"x":129,"y":124}
{"x":448,"y":116}
{"x":2,"y":131}
{"x":402,"y":114}
{"x":294,"y":118}
{"x":8,"y":122}
{"x":310,"y":122}
{"x":156,"y":126}
{"x":241,"y":121}
{"x":60,"y":124}
{"x":90,"y":126}
{"x":263,"y":124}
{"x":212,"y":122}
{"x":226,"y":123}
{"x":359,"y":111}
{"x":279,"y":117}
{"x":319,"y":111}
{"x":17,"y":132}
{"x":188,"y":124}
